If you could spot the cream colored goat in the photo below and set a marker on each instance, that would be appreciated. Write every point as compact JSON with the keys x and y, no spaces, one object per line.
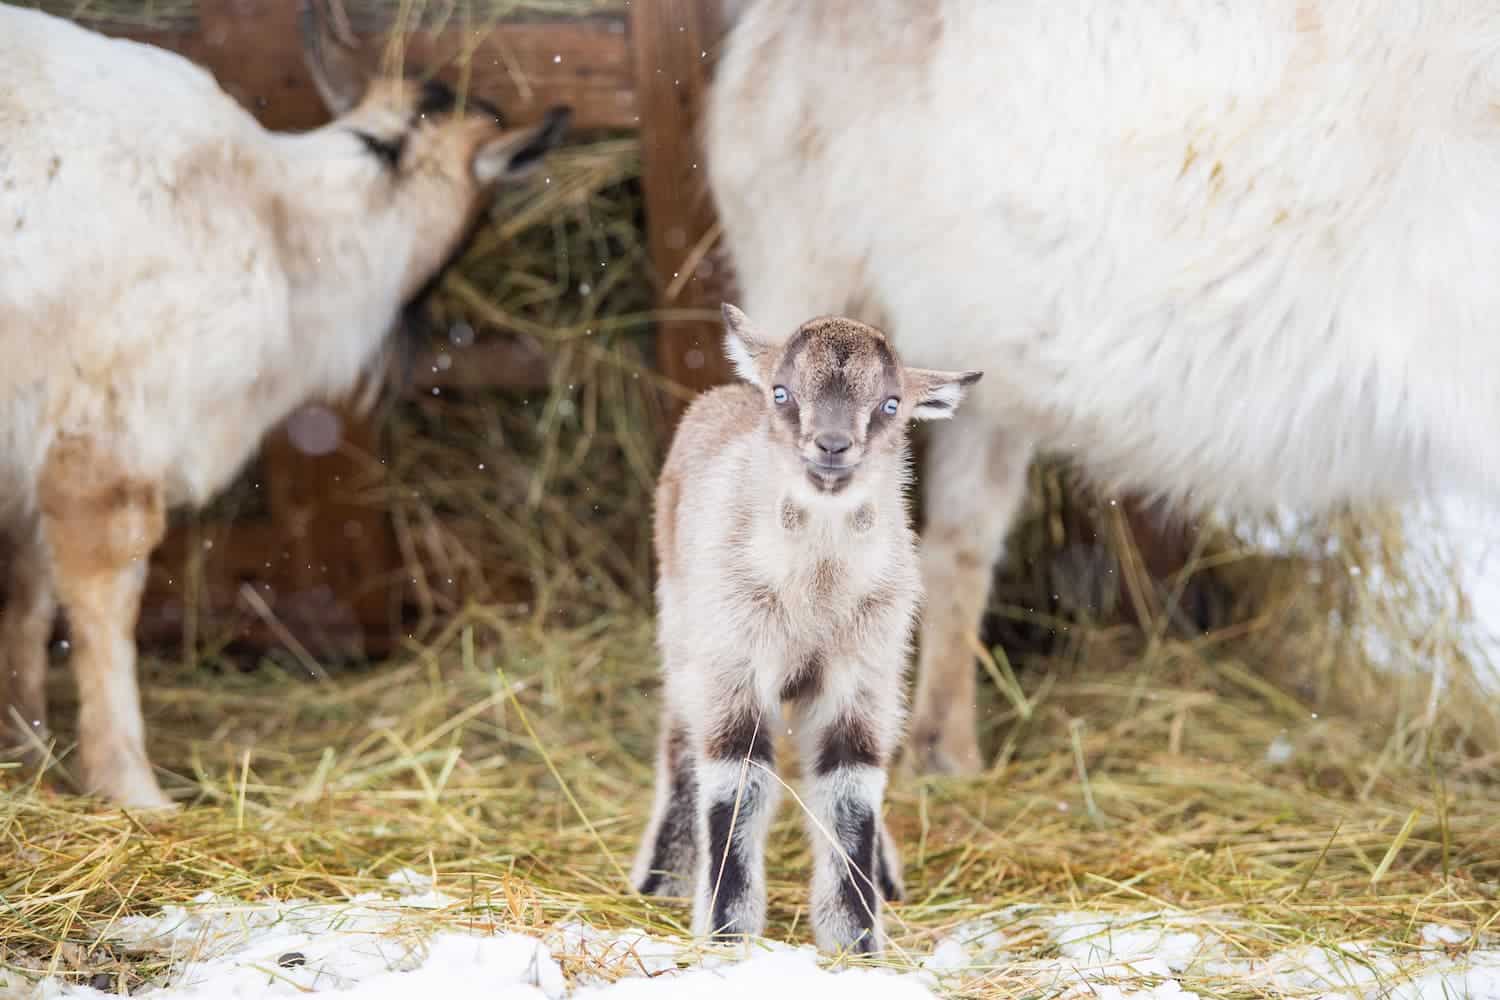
{"x":1238,"y":255}
{"x":788,"y":574}
{"x":175,"y":280}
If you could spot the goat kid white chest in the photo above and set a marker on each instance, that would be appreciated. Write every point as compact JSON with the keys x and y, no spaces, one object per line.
{"x":788,"y":578}
{"x":797,"y":573}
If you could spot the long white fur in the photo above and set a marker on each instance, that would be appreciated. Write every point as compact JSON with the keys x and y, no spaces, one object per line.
{"x":1236,"y":255}
{"x":168,"y":306}
{"x":174,"y":280}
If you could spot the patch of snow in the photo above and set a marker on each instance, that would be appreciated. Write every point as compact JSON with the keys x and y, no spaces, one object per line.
{"x":376,"y":948}
{"x":787,"y":972}
{"x":1478,"y":979}
{"x":633,"y":950}
{"x":1147,"y":945}
{"x":503,"y":967}
{"x":383,"y":947}
{"x":1280,"y":750}
{"x":1443,"y":934}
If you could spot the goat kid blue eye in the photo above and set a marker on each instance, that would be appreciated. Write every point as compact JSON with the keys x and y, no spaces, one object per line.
{"x":779,"y":395}
{"x":890,"y":406}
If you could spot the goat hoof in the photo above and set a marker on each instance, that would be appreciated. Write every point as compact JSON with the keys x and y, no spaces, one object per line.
{"x":889,"y":883}
{"x":138,"y":792}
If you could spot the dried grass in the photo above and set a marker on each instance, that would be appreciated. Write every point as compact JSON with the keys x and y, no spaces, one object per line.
{"x":1265,"y":771}
{"x":512,"y":760}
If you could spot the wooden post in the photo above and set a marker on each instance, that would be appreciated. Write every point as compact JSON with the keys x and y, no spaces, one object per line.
{"x":675,"y":43}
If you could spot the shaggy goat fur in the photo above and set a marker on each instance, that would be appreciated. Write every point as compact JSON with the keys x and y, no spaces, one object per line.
{"x":175,"y":280}
{"x":1236,"y":256}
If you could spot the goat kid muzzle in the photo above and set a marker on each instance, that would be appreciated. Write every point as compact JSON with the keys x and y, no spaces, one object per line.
{"x":829,"y":476}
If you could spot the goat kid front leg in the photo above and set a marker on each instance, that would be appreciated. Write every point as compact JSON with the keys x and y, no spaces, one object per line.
{"x":667,"y":862}
{"x":973,"y":483}
{"x":25,"y":626}
{"x":737,"y":799}
{"x":100,"y":525}
{"x":846,"y":743}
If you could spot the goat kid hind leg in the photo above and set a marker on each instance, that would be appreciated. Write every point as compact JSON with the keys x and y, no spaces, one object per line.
{"x":667,"y":860}
{"x":25,"y":626}
{"x":973,"y":483}
{"x":737,"y":796}
{"x":100,"y":524}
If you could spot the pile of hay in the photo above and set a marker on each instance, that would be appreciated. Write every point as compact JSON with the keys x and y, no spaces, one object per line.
{"x":1265,"y":768}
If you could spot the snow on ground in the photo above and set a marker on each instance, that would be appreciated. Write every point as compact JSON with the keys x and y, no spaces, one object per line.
{"x":377,"y":946}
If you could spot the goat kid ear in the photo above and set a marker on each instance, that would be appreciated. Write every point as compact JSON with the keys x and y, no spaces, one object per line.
{"x":937,"y":393}
{"x":517,"y":154}
{"x":743,"y":345}
{"x":331,"y":53}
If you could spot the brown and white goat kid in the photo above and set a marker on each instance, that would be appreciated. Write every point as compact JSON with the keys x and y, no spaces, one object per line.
{"x":788,"y":575}
{"x":175,"y":280}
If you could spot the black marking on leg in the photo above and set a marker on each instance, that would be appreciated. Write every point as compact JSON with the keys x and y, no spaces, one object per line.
{"x":728,"y":880}
{"x":890,"y":890}
{"x":740,"y":734}
{"x":856,"y":831}
{"x":736,"y":736}
{"x":675,"y":849}
{"x":849,"y":742}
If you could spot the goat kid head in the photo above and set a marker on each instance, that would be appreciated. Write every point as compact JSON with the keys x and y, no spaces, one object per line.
{"x":838,"y":395}
{"x":446,"y":154}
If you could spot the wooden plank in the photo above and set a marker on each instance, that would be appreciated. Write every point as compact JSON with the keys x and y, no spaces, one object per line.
{"x":493,"y":362}
{"x":674,"y":43}
{"x":525,"y":67}
{"x":324,"y":561}
{"x":247,"y":552}
{"x":343,"y":562}
{"x":528,"y":67}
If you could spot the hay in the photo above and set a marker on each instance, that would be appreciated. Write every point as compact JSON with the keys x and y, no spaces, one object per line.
{"x":1150,"y":786}
{"x":542,"y":493}
{"x":1265,"y":774}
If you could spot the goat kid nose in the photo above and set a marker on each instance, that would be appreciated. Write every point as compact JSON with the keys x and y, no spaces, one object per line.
{"x":833,"y":442}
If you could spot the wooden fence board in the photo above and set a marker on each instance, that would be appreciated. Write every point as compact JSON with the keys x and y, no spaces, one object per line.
{"x":675,"y":42}
{"x":525,"y":67}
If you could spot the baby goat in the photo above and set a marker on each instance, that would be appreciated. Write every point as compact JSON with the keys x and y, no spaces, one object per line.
{"x":788,"y":574}
{"x":175,"y":280}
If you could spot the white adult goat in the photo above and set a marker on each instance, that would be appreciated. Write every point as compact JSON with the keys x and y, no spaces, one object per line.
{"x":174,"y":280}
{"x":1231,"y":254}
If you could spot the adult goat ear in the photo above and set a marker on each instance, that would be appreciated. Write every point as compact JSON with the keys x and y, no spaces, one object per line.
{"x":743,"y":345}
{"x":936,"y":394}
{"x":331,"y":54}
{"x":516,"y":154}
